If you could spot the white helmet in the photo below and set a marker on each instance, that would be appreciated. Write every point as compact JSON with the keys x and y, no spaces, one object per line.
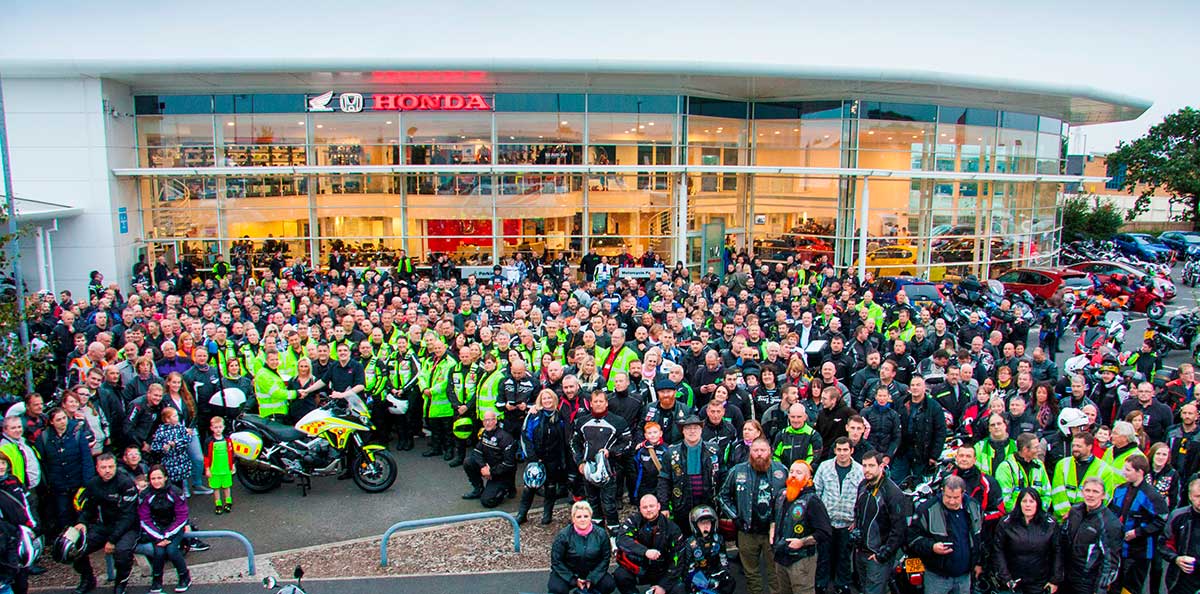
{"x":1070,"y":418}
{"x":396,"y":405}
{"x":1075,"y":365}
{"x":596,"y":470}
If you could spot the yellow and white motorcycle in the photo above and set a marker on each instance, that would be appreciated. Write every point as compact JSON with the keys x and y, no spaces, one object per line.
{"x":328,"y":441}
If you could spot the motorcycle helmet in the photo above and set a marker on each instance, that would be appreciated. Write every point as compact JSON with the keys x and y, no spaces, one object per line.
{"x":596,"y":470}
{"x":29,"y":547}
{"x":535,"y":475}
{"x":69,"y":546}
{"x":1070,"y":418}
{"x":463,"y":428}
{"x":702,"y":512}
{"x":397,"y":406}
{"x":1118,"y":278}
{"x":1076,"y":365}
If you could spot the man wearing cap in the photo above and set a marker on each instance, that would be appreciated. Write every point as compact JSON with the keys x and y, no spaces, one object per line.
{"x":690,"y":473}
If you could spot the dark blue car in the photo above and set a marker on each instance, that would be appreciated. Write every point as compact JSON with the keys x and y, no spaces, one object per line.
{"x":1142,"y":247}
{"x":1183,"y":242}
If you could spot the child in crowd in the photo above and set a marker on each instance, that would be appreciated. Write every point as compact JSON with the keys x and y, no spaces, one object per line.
{"x":170,"y":441}
{"x":219,"y":466}
{"x":647,"y":460}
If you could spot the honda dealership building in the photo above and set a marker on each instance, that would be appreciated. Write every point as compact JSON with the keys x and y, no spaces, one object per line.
{"x":902,"y":172}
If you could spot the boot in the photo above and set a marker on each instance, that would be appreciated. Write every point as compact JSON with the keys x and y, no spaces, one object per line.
{"x":474,"y":493}
{"x":434,"y":450}
{"x":156,"y":585}
{"x":460,"y":454}
{"x":87,"y":583}
{"x":526,"y":503}
{"x":548,"y":511}
{"x":449,"y":454}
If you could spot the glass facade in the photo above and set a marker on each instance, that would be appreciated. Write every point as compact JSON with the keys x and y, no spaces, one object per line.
{"x":484,"y":185}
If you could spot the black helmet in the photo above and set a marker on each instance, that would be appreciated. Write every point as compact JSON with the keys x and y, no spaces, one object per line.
{"x":68,"y":546}
{"x":702,"y":512}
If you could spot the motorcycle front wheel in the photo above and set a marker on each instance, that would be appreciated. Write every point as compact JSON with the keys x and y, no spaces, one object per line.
{"x":1156,"y":311}
{"x":374,"y":476}
{"x":258,"y":480}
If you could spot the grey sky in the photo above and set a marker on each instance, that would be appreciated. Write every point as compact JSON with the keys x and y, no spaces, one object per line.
{"x":1145,"y":49}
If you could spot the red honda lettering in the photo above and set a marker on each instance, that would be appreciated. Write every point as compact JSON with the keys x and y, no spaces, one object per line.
{"x":409,"y":102}
{"x":453,"y":102}
{"x":475,"y":102}
{"x":384,"y":102}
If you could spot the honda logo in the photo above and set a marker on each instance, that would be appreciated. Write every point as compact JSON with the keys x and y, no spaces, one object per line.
{"x":351,"y":102}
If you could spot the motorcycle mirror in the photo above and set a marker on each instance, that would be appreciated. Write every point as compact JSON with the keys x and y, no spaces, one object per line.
{"x":298,"y":572}
{"x":269,"y":583}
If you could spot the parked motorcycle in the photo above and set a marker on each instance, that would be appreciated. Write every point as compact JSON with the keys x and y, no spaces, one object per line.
{"x":1191,"y":272}
{"x":328,"y":441}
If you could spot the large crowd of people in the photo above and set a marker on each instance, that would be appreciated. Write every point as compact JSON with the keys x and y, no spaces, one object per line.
{"x":779,"y":407}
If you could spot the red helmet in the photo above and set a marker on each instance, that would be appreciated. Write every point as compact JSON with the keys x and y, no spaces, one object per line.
{"x":1118,"y":278}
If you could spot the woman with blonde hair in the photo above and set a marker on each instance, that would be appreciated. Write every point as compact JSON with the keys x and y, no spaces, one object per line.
{"x":580,"y":555}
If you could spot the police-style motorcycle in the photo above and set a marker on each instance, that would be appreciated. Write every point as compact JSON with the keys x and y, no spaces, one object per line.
{"x":327,"y":441}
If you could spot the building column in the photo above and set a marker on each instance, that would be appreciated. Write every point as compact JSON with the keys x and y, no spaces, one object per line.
{"x":40,"y":238}
{"x":681,"y":221}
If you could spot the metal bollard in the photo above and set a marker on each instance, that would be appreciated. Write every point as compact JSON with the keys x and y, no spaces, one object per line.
{"x":383,"y":561}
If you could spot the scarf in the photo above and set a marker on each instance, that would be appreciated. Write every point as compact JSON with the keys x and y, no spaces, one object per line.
{"x":583,"y":532}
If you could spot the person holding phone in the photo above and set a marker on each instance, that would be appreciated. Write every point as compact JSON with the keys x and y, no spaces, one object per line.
{"x":945,"y":535}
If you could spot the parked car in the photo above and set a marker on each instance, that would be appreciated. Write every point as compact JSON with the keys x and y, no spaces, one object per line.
{"x":1045,"y":282}
{"x":898,"y":260}
{"x":801,"y":247}
{"x":963,"y":250}
{"x":920,"y":293}
{"x":1183,"y":242}
{"x":1101,"y":270}
{"x":1142,"y":247}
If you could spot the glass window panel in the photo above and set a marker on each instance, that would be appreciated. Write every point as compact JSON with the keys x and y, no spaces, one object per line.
{"x":556,"y":102}
{"x":255,"y":129}
{"x":1015,"y":151}
{"x":717,"y":108}
{"x":906,"y":112}
{"x":539,"y":128}
{"x":172,"y":104}
{"x":894,"y":145}
{"x":1050,"y":125}
{"x":356,"y":139}
{"x":666,"y":104}
{"x":448,"y":128}
{"x":539,"y":154}
{"x":798,"y":143}
{"x":1018,"y":121}
{"x":815,"y":110}
{"x":965,"y":148}
{"x":967,"y":116}
{"x":624,"y":128}
{"x":259,"y":103}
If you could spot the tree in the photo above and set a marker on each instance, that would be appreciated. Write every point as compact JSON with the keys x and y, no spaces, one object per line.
{"x":17,"y":360}
{"x":1166,"y":158}
{"x":1089,"y":217}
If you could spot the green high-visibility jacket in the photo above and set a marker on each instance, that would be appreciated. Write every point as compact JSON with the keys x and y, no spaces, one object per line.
{"x":621,"y":362}
{"x":16,"y":460}
{"x":224,"y":355}
{"x":437,"y":381}
{"x":532,"y":356}
{"x":1013,"y":477}
{"x":489,"y":393}
{"x":376,"y":373}
{"x":254,"y":358}
{"x":985,"y":455}
{"x":1065,"y":490}
{"x":272,"y":393}
{"x":288,"y":359}
{"x":1117,"y":461}
{"x":906,"y":333}
{"x":465,"y":380}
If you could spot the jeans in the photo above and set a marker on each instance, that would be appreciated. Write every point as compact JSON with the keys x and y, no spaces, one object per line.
{"x":873,"y":576}
{"x":936,"y":584}
{"x":755,"y":552}
{"x":840,"y":559}
{"x":197,"y":460}
{"x":797,"y":578}
{"x":159,"y":556}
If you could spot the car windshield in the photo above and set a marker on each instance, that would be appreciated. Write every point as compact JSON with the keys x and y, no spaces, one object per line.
{"x":922,"y":293}
{"x":1190,"y":238}
{"x":1077,"y":282}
